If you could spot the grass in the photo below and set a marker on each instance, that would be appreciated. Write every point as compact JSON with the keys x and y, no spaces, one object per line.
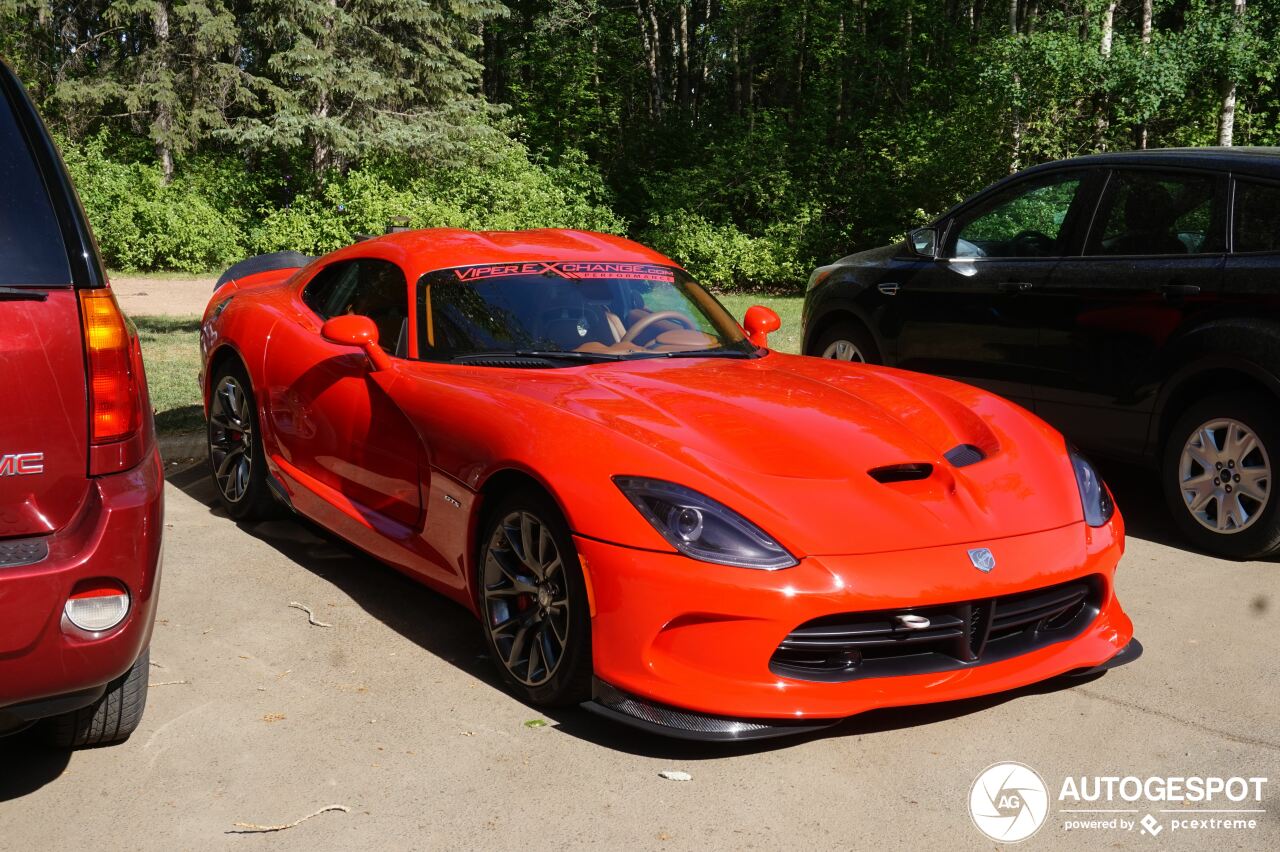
{"x":171,"y":352}
{"x":785,"y":339}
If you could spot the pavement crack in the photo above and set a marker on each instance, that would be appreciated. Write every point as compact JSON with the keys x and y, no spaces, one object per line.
{"x":1217,"y":732}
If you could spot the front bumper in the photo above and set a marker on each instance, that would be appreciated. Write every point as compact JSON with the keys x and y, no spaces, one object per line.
{"x":47,"y":668}
{"x":690,"y":636}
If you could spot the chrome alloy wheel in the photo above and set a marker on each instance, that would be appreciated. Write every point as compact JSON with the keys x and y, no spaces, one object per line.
{"x":1225,"y":476}
{"x":231,"y":439}
{"x":844,"y":350}
{"x":526,"y":598}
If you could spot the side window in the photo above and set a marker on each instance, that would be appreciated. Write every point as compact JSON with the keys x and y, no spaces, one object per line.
{"x":31,"y":248}
{"x":368,"y":287}
{"x":1025,"y":220}
{"x":1257,"y":217}
{"x":331,"y":291}
{"x":1153,"y":213}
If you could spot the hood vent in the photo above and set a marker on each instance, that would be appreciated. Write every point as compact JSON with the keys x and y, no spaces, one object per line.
{"x":909,"y":472}
{"x":964,"y":455}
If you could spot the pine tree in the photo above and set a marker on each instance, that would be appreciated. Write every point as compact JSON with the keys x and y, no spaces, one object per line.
{"x":169,"y":69}
{"x":354,"y":77}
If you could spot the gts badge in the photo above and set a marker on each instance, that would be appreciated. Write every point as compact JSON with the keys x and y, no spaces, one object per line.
{"x":21,"y":464}
{"x":452,"y":502}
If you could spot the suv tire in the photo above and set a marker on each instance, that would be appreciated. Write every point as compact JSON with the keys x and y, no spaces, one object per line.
{"x":1216,"y":469}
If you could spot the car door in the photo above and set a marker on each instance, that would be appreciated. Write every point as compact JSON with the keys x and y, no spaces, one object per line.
{"x":1249,"y":273}
{"x":332,"y":417}
{"x":963,"y":315}
{"x":1152,"y":258}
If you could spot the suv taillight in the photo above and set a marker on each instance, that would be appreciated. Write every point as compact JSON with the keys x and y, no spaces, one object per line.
{"x":115,"y":401}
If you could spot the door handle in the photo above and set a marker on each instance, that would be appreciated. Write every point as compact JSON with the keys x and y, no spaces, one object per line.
{"x":888,"y":288}
{"x":1014,"y":286}
{"x":1177,"y":291}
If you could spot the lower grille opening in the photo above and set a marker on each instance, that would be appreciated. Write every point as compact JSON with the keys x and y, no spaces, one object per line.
{"x":920,"y":640}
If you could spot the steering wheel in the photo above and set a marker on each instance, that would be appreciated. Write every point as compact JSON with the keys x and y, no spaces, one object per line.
{"x":657,"y":316}
{"x":1040,"y":243}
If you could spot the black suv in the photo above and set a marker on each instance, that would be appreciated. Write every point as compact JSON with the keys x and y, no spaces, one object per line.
{"x":1132,"y":300}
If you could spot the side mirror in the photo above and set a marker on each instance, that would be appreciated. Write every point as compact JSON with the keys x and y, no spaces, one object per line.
{"x":924,"y":242}
{"x":355,"y":330}
{"x":759,"y":322}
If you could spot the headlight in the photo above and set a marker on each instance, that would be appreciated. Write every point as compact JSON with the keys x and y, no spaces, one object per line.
{"x":1097,"y":502}
{"x":701,"y":528}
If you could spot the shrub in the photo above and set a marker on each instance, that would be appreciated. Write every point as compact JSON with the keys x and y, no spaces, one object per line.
{"x":143,"y":224}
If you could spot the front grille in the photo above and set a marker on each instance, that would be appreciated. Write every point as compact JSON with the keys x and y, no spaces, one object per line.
{"x":854,"y":645}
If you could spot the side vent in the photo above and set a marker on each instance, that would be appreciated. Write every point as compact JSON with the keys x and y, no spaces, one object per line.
{"x":909,"y":472}
{"x":964,"y":455}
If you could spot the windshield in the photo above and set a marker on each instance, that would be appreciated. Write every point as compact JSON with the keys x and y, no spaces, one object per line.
{"x":605,"y":310}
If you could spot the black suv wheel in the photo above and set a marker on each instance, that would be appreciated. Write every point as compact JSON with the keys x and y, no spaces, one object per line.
{"x":1217,"y":469}
{"x":845,"y":341}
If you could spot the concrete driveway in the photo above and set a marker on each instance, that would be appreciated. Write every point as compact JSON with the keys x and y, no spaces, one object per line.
{"x":255,"y":716}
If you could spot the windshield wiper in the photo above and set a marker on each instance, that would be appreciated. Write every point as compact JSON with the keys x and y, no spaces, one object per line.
{"x":543,"y":354}
{"x":708,"y":353}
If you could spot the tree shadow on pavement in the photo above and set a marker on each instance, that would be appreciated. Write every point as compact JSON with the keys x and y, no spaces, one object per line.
{"x":27,"y":764}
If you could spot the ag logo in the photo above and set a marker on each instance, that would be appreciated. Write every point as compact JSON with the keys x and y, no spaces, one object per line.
{"x":983,"y":559}
{"x":1008,"y":802}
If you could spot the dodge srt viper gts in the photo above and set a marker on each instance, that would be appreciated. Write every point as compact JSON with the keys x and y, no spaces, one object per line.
{"x":651,"y":512}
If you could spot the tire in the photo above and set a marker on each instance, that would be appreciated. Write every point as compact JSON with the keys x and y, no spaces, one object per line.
{"x":1215,"y":525}
{"x":237,"y":463}
{"x":832,"y":343}
{"x":507,"y":580}
{"x":110,"y":719}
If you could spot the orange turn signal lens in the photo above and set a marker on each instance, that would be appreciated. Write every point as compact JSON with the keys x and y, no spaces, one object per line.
{"x":115,"y":410}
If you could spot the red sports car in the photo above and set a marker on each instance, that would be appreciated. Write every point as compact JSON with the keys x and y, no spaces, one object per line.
{"x":651,"y":512}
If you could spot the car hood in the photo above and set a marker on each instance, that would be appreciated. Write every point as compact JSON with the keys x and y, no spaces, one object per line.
{"x":873,"y":257}
{"x":796,"y":445}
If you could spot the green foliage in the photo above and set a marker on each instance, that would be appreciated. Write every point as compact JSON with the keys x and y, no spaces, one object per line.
{"x":505,"y":191}
{"x":143,"y":223}
{"x":218,"y":210}
{"x":749,"y":139}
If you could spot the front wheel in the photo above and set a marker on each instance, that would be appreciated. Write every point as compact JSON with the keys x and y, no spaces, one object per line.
{"x":237,"y":462}
{"x":845,"y":341}
{"x":533,"y":600}
{"x":1217,"y":470}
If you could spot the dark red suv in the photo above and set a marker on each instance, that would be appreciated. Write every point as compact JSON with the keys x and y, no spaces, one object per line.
{"x":81,"y":484}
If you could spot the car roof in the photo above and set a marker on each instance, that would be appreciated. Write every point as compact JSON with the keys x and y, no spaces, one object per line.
{"x":1262,"y":161}
{"x":427,"y":250}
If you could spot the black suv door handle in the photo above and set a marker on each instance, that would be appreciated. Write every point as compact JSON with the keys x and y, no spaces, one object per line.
{"x":1014,"y":286}
{"x":1176,"y":291}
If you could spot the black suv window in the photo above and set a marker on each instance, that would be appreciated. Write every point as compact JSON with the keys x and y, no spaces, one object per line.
{"x":372,"y":288}
{"x":31,"y":247}
{"x":1257,"y":217}
{"x":1025,"y":220}
{"x":1146,"y":212}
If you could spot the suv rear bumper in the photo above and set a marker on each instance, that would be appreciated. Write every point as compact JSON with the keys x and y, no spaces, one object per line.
{"x":48,"y":668}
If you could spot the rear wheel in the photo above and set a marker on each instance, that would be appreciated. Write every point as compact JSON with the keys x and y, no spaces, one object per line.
{"x":845,"y":341}
{"x":533,"y":600}
{"x":110,"y":719}
{"x":236,"y":459}
{"x":1217,"y":470}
